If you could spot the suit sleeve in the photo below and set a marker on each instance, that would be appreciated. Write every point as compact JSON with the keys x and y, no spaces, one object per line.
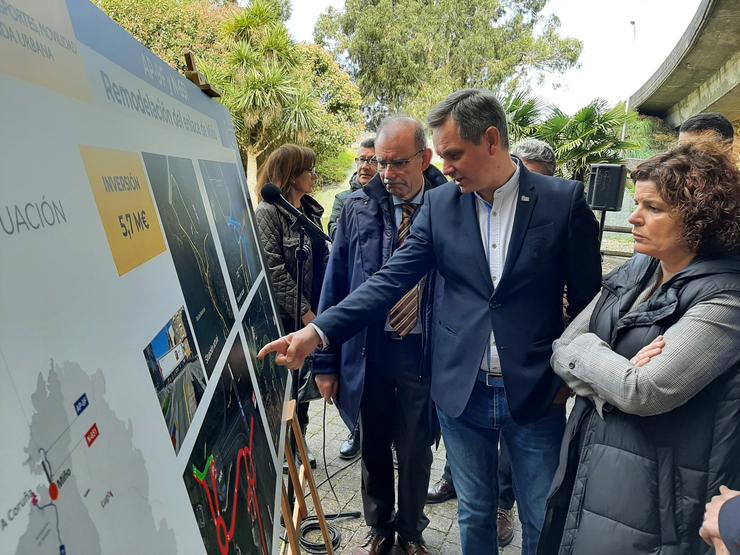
{"x":333,"y":290}
{"x":729,"y":525}
{"x":374,"y":298}
{"x":336,"y":211}
{"x":583,"y":257}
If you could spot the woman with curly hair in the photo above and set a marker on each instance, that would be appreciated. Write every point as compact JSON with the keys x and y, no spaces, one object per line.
{"x":655,"y":362}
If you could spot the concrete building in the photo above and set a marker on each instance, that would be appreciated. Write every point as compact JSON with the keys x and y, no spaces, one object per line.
{"x":702,"y":73}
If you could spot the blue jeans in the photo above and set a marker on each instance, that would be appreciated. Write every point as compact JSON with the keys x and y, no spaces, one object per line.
{"x":472,"y":451}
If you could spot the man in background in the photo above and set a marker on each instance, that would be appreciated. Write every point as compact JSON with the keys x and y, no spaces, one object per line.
{"x":706,"y":122}
{"x":366,"y":170}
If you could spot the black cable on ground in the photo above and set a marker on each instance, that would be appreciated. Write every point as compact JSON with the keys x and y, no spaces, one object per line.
{"x":311,"y":526}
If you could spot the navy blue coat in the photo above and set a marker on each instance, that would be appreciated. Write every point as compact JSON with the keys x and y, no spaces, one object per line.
{"x":554,"y":243}
{"x":729,"y":525}
{"x":364,"y":241}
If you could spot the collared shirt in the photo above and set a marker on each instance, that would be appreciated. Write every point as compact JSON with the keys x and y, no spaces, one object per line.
{"x":398,"y":216}
{"x":496,"y":222}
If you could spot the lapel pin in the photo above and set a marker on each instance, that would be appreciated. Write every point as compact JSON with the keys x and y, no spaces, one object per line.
{"x":525,"y":198}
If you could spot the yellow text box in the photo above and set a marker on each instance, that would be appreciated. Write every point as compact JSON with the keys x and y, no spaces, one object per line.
{"x":38,"y":44}
{"x":124,"y":200}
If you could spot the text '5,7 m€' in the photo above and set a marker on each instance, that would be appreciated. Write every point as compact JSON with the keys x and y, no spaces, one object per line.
{"x":132,"y":223}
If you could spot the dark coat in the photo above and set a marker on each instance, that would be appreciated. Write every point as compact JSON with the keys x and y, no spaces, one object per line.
{"x":636,"y":485}
{"x":339,"y":200}
{"x":365,"y":239}
{"x":554,"y":243}
{"x":279,"y":243}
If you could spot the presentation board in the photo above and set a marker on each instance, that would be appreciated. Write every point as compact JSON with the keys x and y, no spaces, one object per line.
{"x":135,"y":416}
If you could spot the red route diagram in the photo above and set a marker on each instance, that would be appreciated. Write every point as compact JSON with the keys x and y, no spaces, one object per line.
{"x":244,"y":460}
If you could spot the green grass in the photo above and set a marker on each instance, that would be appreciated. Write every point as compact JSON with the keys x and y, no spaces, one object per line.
{"x":339,"y":170}
{"x":325,"y":196}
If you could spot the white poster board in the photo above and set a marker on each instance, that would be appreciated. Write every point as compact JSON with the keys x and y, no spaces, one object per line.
{"x":134,"y":416}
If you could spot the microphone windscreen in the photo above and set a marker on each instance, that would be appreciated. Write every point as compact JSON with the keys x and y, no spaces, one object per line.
{"x":271,"y":193}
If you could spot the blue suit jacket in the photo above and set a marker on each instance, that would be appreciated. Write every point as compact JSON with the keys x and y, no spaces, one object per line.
{"x":364,"y":241}
{"x":554,"y":243}
{"x":729,"y":525}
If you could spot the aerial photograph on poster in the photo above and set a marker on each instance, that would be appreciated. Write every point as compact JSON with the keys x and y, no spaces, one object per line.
{"x":229,"y":209}
{"x":177,"y":375}
{"x":260,"y":328}
{"x":230,"y":476}
{"x":193,"y":251}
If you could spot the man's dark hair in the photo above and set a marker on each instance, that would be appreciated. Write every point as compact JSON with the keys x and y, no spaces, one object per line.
{"x":709,"y":121}
{"x":474,"y":110}
{"x":368,"y":143}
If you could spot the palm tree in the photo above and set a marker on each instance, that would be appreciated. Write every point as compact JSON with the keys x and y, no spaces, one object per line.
{"x":259,"y":84}
{"x":590,"y":136}
{"x":523,"y":114}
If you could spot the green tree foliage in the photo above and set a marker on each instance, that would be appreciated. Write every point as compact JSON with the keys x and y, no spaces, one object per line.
{"x":171,"y":27}
{"x":650,"y":136}
{"x":276,"y":91}
{"x":409,"y":54}
{"x":590,"y":136}
{"x":341,"y":117}
{"x":260,"y":83}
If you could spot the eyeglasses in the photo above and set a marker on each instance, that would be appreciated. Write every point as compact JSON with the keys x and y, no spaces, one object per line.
{"x":363,"y":160}
{"x":312,"y":171}
{"x":397,"y":164}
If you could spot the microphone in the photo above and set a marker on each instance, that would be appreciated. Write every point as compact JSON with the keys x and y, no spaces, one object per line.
{"x":271,"y":193}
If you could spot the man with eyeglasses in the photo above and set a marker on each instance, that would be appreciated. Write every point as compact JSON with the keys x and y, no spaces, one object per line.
{"x":506,"y":241}
{"x":381,"y":374}
{"x":366,"y":170}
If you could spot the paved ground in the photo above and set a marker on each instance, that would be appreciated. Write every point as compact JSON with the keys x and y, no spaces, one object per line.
{"x":442,"y":535}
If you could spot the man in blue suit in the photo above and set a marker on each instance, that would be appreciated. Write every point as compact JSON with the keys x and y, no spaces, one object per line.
{"x":382,"y":372}
{"x":506,"y":241}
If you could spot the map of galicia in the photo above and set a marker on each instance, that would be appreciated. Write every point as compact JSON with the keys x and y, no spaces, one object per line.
{"x":87,"y":472}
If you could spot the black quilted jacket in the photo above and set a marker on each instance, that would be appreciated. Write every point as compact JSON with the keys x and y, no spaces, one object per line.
{"x":631,"y":485}
{"x":279,"y":243}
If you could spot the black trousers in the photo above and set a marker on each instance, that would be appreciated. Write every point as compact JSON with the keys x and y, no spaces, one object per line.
{"x":396,"y":409}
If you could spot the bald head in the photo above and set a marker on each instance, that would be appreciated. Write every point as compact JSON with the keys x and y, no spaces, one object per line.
{"x":402,"y":155}
{"x":402,"y":125}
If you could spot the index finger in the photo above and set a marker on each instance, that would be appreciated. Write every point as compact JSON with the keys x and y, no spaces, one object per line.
{"x":278,"y":346}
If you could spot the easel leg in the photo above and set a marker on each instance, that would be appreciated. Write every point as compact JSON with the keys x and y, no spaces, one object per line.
{"x":300,"y":511}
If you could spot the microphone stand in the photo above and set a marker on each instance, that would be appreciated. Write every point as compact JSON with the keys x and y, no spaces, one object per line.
{"x":301,"y":255}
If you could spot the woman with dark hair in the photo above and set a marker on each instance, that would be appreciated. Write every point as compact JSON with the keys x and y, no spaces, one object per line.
{"x":655,"y":362}
{"x":292,"y":168}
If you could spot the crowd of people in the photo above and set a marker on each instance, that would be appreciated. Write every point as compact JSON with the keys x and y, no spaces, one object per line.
{"x":440,"y":309}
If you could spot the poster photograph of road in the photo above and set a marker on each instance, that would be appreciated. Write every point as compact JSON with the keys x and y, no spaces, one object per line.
{"x":230,"y":476}
{"x":177,"y":375}
{"x":193,"y":251}
{"x":260,"y":328}
{"x":229,"y":210}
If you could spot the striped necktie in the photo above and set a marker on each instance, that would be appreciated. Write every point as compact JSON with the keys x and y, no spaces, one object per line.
{"x":405,"y":314}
